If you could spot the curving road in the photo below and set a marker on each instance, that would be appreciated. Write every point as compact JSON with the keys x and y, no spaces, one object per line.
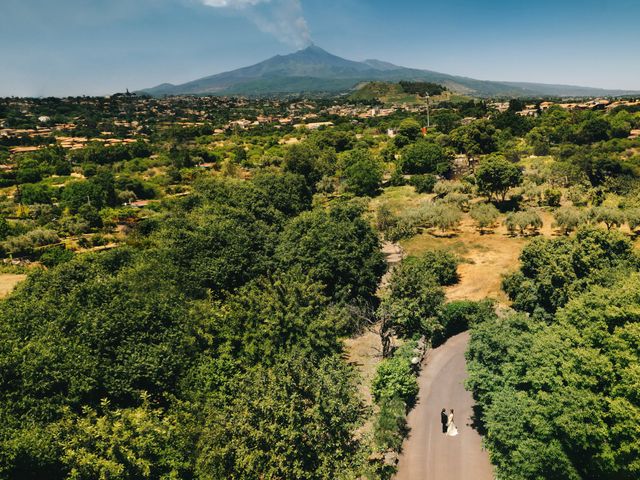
{"x":427,"y":453}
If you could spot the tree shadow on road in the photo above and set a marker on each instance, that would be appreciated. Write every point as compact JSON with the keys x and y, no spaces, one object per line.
{"x":476,"y":423}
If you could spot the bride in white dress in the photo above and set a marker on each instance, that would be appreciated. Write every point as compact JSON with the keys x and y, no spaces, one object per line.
{"x":452,"y":430}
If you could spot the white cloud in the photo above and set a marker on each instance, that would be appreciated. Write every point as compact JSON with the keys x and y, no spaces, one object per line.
{"x":283,"y":19}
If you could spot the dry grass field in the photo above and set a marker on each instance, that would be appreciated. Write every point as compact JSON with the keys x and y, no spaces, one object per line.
{"x":485,"y":257}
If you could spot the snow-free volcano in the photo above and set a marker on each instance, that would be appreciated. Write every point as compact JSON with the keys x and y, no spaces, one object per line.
{"x":314,"y":70}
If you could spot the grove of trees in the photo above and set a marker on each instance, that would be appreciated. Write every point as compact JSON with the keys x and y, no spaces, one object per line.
{"x":206,"y":348}
{"x":555,"y":381}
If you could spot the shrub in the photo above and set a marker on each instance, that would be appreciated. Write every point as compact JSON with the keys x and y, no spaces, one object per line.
{"x":385,"y":218}
{"x":395,"y":377}
{"x":142,"y":190}
{"x":25,"y":244}
{"x":552,"y":197}
{"x":33,"y":193}
{"x":99,"y":240}
{"x":456,"y":317}
{"x":578,"y":196}
{"x":460,"y":200}
{"x":633,"y":218}
{"x":423,"y":183}
{"x":28,"y":175}
{"x":439,"y":263}
{"x":5,"y":228}
{"x":391,"y":425}
{"x":55,"y":256}
{"x":90,"y":214}
{"x":84,"y":242}
{"x":396,"y":227}
{"x":444,"y":187}
{"x":404,"y":228}
{"x":397,"y":179}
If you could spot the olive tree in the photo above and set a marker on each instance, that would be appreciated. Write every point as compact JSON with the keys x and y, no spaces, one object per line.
{"x":439,"y":215}
{"x":610,"y":216}
{"x":633,"y":218}
{"x":484,"y":215}
{"x":569,"y":218}
{"x":523,"y":221}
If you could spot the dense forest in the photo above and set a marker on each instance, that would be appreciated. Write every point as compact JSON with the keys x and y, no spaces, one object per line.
{"x":556,"y":381}
{"x":195,"y":266}
{"x":207,"y":346}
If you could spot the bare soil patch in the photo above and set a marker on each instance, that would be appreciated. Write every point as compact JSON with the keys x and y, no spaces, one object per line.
{"x":364,"y":352}
{"x":8,"y":282}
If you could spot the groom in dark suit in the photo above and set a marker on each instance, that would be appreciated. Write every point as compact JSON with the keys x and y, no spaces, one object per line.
{"x":444,"y":419}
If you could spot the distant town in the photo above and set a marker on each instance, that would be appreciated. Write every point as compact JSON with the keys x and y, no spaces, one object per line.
{"x":129,"y":117}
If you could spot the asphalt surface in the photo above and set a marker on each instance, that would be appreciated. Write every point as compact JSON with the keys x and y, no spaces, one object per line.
{"x":427,"y":453}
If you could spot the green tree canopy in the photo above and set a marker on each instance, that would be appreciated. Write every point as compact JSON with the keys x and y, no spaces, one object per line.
{"x":287,"y":192}
{"x":362,"y":173}
{"x":99,"y":192}
{"x":309,"y":161}
{"x":336,"y":247}
{"x":555,"y":270}
{"x":410,"y":128}
{"x":426,"y":157}
{"x":34,"y":193}
{"x":495,"y":176}
{"x":475,"y":139}
{"x":555,"y":397}
{"x":293,"y":420}
{"x":414,"y":295}
{"x":273,"y":316}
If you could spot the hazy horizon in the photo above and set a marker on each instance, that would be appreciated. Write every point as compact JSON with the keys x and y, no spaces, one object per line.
{"x":72,"y":49}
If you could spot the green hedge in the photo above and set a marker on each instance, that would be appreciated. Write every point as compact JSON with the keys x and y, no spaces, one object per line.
{"x":395,"y":389}
{"x":396,"y":377}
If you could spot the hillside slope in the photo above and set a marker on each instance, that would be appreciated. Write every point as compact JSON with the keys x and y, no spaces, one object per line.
{"x":314,"y":70}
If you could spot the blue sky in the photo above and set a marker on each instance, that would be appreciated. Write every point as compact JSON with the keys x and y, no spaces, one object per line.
{"x":74,"y":47}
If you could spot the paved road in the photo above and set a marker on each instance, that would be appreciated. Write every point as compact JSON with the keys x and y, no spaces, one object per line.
{"x":428,"y":454}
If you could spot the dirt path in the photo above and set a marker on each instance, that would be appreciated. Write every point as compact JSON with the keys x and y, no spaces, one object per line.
{"x":365,"y":351}
{"x":393,"y":255}
{"x":427,"y":453}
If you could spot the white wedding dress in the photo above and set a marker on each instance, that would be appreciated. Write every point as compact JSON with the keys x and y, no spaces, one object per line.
{"x":452,"y":430}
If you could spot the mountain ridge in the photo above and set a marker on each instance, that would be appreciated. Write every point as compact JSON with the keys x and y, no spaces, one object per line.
{"x":314,"y":70}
